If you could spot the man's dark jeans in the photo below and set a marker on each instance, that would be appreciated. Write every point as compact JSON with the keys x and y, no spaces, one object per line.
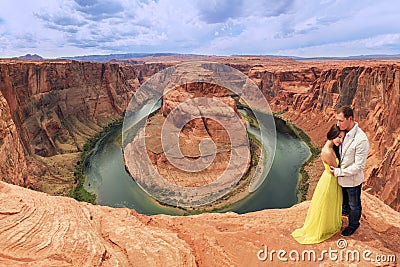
{"x":352,"y":205}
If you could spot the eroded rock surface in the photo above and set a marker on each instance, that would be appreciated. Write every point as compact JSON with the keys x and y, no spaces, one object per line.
{"x":41,"y":230}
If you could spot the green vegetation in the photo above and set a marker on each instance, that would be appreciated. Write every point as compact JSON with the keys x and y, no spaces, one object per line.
{"x":80,"y":192}
{"x":251,"y":119}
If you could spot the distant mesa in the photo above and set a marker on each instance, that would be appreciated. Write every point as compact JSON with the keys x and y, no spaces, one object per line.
{"x":127,"y":56}
{"x":30,"y":57}
{"x":117,"y":57}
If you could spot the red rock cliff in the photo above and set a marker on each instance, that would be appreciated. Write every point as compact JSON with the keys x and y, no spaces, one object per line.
{"x":51,"y":108}
{"x":56,"y":106}
{"x":12,"y":157}
{"x":372,"y":88}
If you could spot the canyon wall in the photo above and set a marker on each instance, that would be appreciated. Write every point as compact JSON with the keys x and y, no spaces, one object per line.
{"x":309,"y":98}
{"x":13,"y":162}
{"x":51,"y":108}
{"x":57,"y":106}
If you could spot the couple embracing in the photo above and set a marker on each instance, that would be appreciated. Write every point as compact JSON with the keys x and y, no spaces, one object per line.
{"x":338,"y":191}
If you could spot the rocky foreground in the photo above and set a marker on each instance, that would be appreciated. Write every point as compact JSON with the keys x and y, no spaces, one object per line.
{"x":41,"y":230}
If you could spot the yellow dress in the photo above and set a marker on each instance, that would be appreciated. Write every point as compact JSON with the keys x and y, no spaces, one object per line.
{"x":324,"y":216}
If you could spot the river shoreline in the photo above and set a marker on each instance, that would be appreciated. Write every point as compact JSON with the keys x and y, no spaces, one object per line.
{"x":303,"y":182}
{"x":241,"y":190}
{"x":80,"y":193}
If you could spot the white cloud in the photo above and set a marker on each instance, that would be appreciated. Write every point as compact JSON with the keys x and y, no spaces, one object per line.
{"x":384,"y":40}
{"x":76,"y":27}
{"x":382,"y":44}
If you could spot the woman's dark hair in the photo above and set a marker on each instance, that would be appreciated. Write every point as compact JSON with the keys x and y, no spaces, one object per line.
{"x":334,"y":132}
{"x":336,"y":149}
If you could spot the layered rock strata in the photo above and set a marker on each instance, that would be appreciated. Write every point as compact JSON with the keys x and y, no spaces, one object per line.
{"x":41,"y":230}
{"x":50,"y":109}
{"x":12,"y":157}
{"x":374,"y":92}
{"x":56,"y":106}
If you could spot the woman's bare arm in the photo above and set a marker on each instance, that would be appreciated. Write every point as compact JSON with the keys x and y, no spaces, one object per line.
{"x":328,"y":157}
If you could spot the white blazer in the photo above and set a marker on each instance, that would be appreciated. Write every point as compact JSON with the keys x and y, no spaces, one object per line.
{"x":353,"y":158}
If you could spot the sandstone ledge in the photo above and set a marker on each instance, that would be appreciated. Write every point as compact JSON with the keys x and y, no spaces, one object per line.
{"x":41,"y":230}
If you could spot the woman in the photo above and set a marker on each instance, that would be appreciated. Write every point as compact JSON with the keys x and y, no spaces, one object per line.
{"x":324,"y":216}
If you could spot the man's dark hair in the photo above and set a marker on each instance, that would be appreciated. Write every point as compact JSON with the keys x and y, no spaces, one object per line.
{"x":346,"y":110}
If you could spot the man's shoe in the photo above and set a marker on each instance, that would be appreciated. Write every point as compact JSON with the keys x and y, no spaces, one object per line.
{"x":348,"y":231}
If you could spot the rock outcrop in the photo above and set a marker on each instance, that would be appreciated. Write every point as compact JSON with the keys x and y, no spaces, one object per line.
{"x":41,"y":230}
{"x":204,"y":126}
{"x":197,"y":140}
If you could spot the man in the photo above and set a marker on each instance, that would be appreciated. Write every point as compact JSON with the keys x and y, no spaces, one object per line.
{"x":350,"y":173}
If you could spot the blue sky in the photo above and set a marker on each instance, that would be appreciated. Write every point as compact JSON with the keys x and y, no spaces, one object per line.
{"x":56,"y":28}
